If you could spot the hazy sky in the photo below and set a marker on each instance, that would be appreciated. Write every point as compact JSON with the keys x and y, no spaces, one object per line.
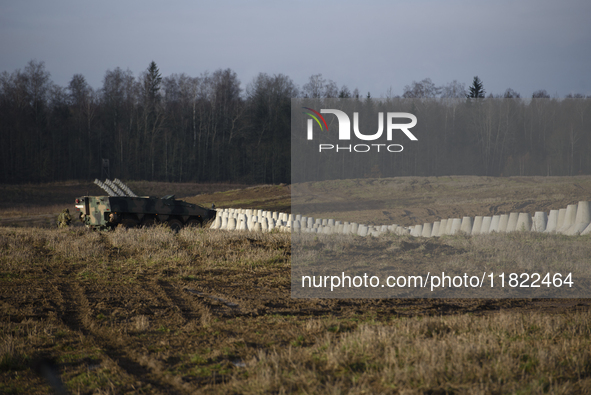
{"x":372,"y":45}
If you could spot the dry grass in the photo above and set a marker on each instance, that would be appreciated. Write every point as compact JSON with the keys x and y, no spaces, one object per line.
{"x":20,"y":211}
{"x":527,"y":251}
{"x":386,"y":255}
{"x":247,"y":250}
{"x":20,"y":246}
{"x":502,"y":353}
{"x":113,"y":311}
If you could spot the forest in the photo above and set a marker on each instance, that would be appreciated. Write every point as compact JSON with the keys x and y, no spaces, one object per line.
{"x":493,"y":136}
{"x":210,"y":128}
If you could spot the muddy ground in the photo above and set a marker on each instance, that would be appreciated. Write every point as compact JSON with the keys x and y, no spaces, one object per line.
{"x":107,"y":325}
{"x":193,"y":315}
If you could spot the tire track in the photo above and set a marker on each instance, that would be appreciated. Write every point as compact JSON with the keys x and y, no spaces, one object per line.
{"x":163,"y":292}
{"x":191,"y":308}
{"x":178,"y":300}
{"x":76,"y":313}
{"x":216,"y":304}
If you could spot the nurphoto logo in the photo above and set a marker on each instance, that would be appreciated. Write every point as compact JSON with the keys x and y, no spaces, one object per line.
{"x":344,"y":132}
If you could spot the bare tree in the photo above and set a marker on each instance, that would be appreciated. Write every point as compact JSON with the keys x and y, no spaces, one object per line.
{"x":454,"y":90}
{"x":423,"y":89}
{"x":575,"y":96}
{"x":344,"y":93}
{"x":540,"y":94}
{"x":511,"y":94}
{"x":317,"y":87}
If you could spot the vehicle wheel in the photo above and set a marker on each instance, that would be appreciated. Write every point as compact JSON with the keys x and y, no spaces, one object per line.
{"x":175,"y":225}
{"x":129,"y":223}
{"x":148,"y":220}
{"x":194,"y":223}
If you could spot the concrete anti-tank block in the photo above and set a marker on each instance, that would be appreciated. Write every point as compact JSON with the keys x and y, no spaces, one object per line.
{"x":216,"y":223}
{"x":552,"y":223}
{"x":485,"y":227}
{"x":449,"y":226}
{"x":503,"y":221}
{"x":569,"y":218}
{"x":512,"y":223}
{"x":427,"y":229}
{"x":582,"y":219}
{"x":362,"y":231}
{"x":466,"y":226}
{"x":435,"y":229}
{"x":524,"y":222}
{"x":560,"y":221}
{"x":494,"y":223}
{"x":402,"y":231}
{"x":477,"y":226}
{"x":456,"y":226}
{"x":539,"y":221}
{"x":586,"y":231}
{"x":442,"y":227}
{"x":417,"y":230}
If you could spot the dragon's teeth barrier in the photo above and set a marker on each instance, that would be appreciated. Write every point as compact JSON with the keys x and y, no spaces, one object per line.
{"x":574,"y":220}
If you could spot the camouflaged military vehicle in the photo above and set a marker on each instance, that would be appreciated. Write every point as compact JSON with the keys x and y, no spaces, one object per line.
{"x":106,"y":212}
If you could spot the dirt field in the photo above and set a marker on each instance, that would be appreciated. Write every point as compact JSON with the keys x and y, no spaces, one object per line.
{"x":415,"y":200}
{"x":147,"y":311}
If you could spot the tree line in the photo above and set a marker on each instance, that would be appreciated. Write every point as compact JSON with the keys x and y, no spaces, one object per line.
{"x":456,"y":136}
{"x":208,"y":128}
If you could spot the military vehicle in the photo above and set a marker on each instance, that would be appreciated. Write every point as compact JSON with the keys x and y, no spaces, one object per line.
{"x":123,"y":207}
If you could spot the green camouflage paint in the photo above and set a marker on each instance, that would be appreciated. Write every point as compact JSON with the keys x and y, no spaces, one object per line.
{"x":106,"y":212}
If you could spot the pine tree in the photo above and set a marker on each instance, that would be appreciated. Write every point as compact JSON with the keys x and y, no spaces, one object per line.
{"x":476,"y":90}
{"x":152,"y":83}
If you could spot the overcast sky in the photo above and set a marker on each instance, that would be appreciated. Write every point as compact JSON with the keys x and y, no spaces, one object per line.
{"x":372,"y":45}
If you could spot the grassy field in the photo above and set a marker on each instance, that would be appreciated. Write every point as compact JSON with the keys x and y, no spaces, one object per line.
{"x":202,"y":311}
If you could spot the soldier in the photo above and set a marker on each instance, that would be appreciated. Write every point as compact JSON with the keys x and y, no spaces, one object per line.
{"x":64,"y":219}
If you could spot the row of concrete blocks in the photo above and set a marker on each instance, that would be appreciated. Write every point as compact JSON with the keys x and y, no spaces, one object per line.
{"x":573,"y":220}
{"x":260,"y":220}
{"x":251,"y":219}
